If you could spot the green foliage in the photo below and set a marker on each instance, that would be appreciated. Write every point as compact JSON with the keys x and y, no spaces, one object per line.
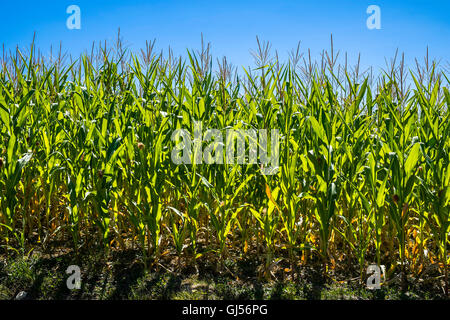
{"x":86,"y":156}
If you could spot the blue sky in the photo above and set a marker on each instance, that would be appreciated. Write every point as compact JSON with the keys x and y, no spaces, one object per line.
{"x":231,"y":26}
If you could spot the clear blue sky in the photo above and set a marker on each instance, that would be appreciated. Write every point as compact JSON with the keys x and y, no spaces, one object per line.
{"x":231,"y":26}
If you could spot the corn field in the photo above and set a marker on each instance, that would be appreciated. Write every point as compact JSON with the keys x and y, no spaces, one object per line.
{"x":363,"y":176}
